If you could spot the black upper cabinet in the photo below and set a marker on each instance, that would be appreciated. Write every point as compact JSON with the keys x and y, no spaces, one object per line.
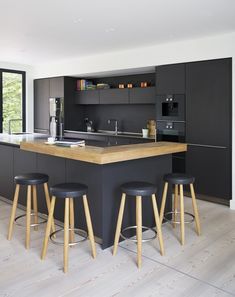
{"x":208,"y":102}
{"x":88,"y":97}
{"x":56,"y":87}
{"x":114,"y":96}
{"x":41,"y":105}
{"x":170,"y":79}
{"x":142,"y":95}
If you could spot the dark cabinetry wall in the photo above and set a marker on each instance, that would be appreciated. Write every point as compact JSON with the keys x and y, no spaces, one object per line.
{"x":54,"y":87}
{"x":170,"y":79}
{"x":208,"y":105}
{"x":208,"y":126}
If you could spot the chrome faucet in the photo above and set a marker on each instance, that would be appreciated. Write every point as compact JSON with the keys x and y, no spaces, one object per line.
{"x":9,"y":124}
{"x":116,"y":124}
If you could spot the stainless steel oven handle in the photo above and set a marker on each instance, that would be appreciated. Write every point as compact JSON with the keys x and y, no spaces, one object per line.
{"x":207,"y":145}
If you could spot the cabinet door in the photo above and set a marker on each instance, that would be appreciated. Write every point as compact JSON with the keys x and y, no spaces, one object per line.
{"x":208,"y":102}
{"x":57,"y":87}
{"x":142,"y":95}
{"x":170,"y":79}
{"x":114,"y":96}
{"x":41,"y":105}
{"x":24,"y":162}
{"x":212,"y":170}
{"x":88,"y":97}
{"x":6,"y":171}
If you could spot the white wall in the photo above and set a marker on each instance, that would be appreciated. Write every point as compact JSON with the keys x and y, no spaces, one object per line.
{"x":29,"y":89}
{"x":215,"y":47}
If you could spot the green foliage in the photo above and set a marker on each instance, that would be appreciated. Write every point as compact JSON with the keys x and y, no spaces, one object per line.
{"x":12,"y":100}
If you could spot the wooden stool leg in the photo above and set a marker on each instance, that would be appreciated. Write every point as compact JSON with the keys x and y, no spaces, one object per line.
{"x":139,"y":229}
{"x":28,"y":217}
{"x":182,"y":214}
{"x":158,"y":224}
{"x":47,"y":196}
{"x":195,"y":210}
{"x":175,"y":204}
{"x":13,"y":212}
{"x":89,"y":226}
{"x":35,"y":207}
{"x":119,"y":223}
{"x":163,"y":202}
{"x":71,"y":220}
{"x":66,"y":234}
{"x":48,"y":228}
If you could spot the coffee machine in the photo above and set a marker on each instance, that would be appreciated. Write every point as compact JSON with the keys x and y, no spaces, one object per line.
{"x":56,"y":117}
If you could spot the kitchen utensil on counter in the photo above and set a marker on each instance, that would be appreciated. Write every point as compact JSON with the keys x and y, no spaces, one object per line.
{"x":151,"y":125}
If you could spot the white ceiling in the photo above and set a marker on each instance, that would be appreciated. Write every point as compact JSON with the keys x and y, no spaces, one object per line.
{"x":34,"y":32}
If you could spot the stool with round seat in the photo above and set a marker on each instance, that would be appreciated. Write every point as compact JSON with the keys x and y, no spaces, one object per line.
{"x":31,"y":180}
{"x":68,"y":191}
{"x":139,"y":190}
{"x":179,"y":180}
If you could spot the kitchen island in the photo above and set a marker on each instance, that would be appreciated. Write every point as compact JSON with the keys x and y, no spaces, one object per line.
{"x":103,"y":169}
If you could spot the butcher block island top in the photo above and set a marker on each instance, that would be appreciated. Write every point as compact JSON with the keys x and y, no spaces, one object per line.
{"x":105,"y":155}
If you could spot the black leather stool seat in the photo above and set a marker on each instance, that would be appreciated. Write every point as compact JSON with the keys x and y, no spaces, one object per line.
{"x":139,"y":188}
{"x":69,"y":190}
{"x":31,"y":179}
{"x":179,"y":178}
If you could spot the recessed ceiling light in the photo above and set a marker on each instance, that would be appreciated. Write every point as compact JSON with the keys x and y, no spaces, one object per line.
{"x":76,"y":21}
{"x":108,"y":30}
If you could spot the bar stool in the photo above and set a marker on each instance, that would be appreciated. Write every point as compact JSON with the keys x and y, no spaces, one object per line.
{"x":139,"y":190}
{"x":180,"y":179}
{"x":68,"y":191}
{"x":31,"y":180}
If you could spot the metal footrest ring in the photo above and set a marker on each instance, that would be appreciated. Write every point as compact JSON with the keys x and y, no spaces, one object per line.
{"x":42,"y":221}
{"x":178,"y":221}
{"x":77,"y":231}
{"x":143,"y":229}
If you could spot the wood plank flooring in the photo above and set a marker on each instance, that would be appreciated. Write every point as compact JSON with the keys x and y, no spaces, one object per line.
{"x":205,"y":266}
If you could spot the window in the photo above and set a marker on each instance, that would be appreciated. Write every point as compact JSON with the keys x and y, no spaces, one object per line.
{"x":12,"y":101}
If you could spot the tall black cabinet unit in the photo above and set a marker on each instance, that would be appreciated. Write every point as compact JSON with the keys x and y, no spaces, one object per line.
{"x":53,"y":87}
{"x":208,"y":126}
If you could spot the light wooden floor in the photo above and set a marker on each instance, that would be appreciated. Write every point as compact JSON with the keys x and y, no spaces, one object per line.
{"x":205,"y":266}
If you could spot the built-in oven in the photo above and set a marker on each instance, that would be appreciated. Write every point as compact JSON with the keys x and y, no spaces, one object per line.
{"x":171,"y":125}
{"x":171,"y":107}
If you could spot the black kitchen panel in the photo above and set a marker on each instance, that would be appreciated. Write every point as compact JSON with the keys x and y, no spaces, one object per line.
{"x":170,"y":79}
{"x":209,"y":102}
{"x":142,"y":95}
{"x":87,"y":97}
{"x":114,"y":96}
{"x":211,"y":168}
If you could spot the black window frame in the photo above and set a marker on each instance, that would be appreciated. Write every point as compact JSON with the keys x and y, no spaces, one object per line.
{"x":23,"y":73}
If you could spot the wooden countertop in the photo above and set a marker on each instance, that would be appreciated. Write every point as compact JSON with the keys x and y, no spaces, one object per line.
{"x":98,"y":155}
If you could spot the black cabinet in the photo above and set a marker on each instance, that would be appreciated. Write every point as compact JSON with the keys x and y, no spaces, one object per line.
{"x":6,"y":171}
{"x":56,"y":87}
{"x":114,"y":96}
{"x":142,"y":95}
{"x":208,"y":126}
{"x":24,"y":162}
{"x":212,"y":170}
{"x":41,"y":105}
{"x":209,"y":102}
{"x":170,"y":79}
{"x":88,"y":97}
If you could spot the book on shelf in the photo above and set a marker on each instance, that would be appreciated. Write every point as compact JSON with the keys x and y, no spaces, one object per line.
{"x":84,"y":84}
